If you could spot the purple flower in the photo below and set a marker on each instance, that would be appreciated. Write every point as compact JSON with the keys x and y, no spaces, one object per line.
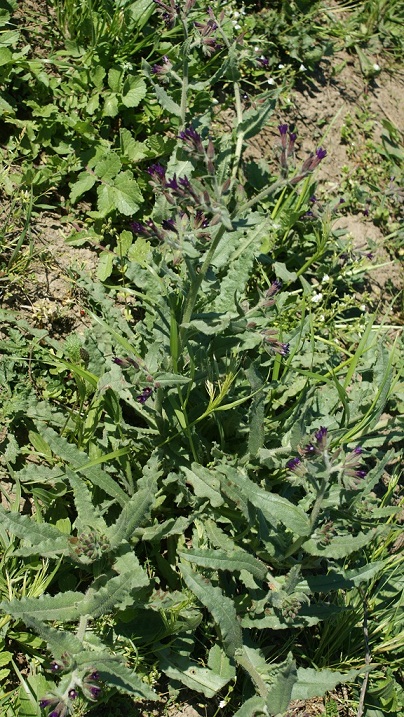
{"x":274,"y":288}
{"x":170,"y":225}
{"x":73,"y":694}
{"x":162,"y":70}
{"x":125,"y":362}
{"x":138,"y":228}
{"x":94,"y":676}
{"x":55,"y":667}
{"x":321,"y":437}
{"x":95,"y":691}
{"x":360,"y":473}
{"x":157,"y":174}
{"x":321,"y":153}
{"x":309,"y":450}
{"x":192,"y":139}
{"x":168,"y":12}
{"x":293,"y":464}
{"x":283,"y":129}
{"x":263,"y":61}
{"x":173,"y":184}
{"x":146,"y":393}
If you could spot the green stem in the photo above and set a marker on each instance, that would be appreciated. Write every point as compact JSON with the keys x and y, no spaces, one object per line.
{"x":185,"y":76}
{"x":196,"y":283}
{"x":81,"y":630}
{"x":261,"y":195}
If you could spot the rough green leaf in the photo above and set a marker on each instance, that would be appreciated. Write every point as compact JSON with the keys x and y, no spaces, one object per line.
{"x":221,"y":608}
{"x":235,"y":560}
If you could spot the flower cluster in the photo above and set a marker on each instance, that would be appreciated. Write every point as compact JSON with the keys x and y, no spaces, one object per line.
{"x":349,"y":469}
{"x":61,"y":705}
{"x":273,"y":344}
{"x":207,"y":39}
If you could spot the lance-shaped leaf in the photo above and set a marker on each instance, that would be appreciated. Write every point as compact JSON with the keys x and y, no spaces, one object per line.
{"x":132,"y":515}
{"x":220,"y":607}
{"x":275,"y":508}
{"x":88,"y":517}
{"x":235,"y":560}
{"x":114,"y":673}
{"x":62,"y":607}
{"x":59,"y":641}
{"x":345,"y":580}
{"x":253,"y":707}
{"x":80,"y":462}
{"x":280,"y":692}
{"x":115,"y":594}
{"x":205,"y":484}
{"x":46,"y":540}
{"x":341,"y":545}
{"x":182,"y":668}
{"x":315,"y":683}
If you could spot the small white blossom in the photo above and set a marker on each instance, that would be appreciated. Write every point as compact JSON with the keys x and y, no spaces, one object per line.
{"x":376,"y":67}
{"x":222,"y":704}
{"x":215,"y":101}
{"x":302,"y":67}
{"x":257,"y":49}
{"x":271,"y":81}
{"x":237,"y":26}
{"x":316,"y":298}
{"x":325,"y":279}
{"x":281,"y":66}
{"x":322,"y":317}
{"x":236,"y":13}
{"x":363,"y":307}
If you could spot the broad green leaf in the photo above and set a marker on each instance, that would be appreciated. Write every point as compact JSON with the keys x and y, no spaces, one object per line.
{"x":221,"y":608}
{"x":280,"y":692}
{"x":105,"y":265}
{"x":108,"y":167}
{"x":84,"y":183}
{"x":141,"y":11}
{"x":315,"y":683}
{"x":253,"y":707}
{"x":201,"y":679}
{"x":122,"y":194}
{"x":114,"y":79}
{"x":132,"y":148}
{"x":235,"y":560}
{"x":254,"y":119}
{"x":134,"y":90}
{"x":110,"y":108}
{"x":139,"y":252}
{"x":132,"y":515}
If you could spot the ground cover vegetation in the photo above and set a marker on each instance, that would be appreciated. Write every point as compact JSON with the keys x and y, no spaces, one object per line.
{"x":201,"y":495}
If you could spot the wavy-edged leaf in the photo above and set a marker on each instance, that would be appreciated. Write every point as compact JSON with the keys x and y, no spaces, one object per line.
{"x":341,"y":545}
{"x":131,"y":516}
{"x":274,"y":508}
{"x":233,"y":561}
{"x":78,"y":460}
{"x":205,"y":484}
{"x":117,"y":675}
{"x":46,"y":540}
{"x":59,"y":641}
{"x":62,"y":607}
{"x":181,"y":668}
{"x":115,"y":594}
{"x":220,"y":607}
{"x":315,"y":683}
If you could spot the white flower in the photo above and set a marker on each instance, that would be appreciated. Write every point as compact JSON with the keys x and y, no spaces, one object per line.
{"x":322,"y":317}
{"x":271,"y":81}
{"x":302,"y":67}
{"x":281,"y":66}
{"x":376,"y":67}
{"x":215,"y":101}
{"x":222,"y":704}
{"x":325,"y":279}
{"x":363,"y":307}
{"x":316,"y":298}
{"x":237,"y":26}
{"x":236,"y":14}
{"x":257,"y":49}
